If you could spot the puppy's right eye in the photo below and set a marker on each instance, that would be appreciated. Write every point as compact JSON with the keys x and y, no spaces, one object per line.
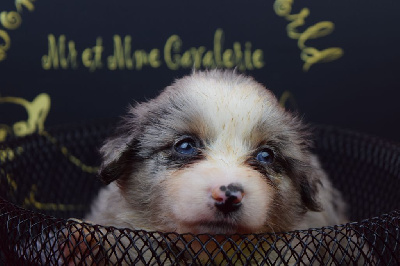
{"x":186,"y":146}
{"x":266,"y":156}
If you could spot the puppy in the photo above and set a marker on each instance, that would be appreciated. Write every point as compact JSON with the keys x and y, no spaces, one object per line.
{"x":214,"y":153}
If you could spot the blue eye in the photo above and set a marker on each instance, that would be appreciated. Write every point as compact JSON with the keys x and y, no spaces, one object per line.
{"x":186,"y":146}
{"x":265,"y":156}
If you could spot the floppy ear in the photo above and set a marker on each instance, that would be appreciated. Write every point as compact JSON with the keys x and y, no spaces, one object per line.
{"x":310,"y":184}
{"x":306,"y":166}
{"x":308,"y":193}
{"x":121,"y":164}
{"x":119,"y":152}
{"x":307,"y":177}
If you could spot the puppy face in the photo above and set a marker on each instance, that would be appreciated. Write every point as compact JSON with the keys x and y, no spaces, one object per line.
{"x":213,"y":153}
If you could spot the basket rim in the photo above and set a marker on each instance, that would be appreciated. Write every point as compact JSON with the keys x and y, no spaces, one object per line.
{"x":377,"y":220}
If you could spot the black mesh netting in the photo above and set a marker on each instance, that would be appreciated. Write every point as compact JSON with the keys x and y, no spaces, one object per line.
{"x":52,"y":174}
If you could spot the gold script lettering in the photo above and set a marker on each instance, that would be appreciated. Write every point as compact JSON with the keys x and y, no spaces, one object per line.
{"x":117,"y":60}
{"x":91,"y":57}
{"x":247,"y":56}
{"x":141,"y":59}
{"x":218,"y":43}
{"x":123,"y":56}
{"x":57,"y":54}
{"x":154,"y":58}
{"x":258,"y":58}
{"x":228,"y":58}
{"x":216,"y":57}
{"x":173,"y":45}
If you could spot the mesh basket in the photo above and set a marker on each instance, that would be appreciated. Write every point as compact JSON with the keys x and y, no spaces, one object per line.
{"x":52,"y":174}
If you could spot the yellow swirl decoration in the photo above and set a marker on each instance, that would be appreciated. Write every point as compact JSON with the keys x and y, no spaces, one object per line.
{"x":74,"y":160}
{"x":312,"y":56}
{"x":27,"y":3}
{"x":283,"y":7}
{"x":298,"y":20}
{"x":37,"y":112}
{"x":4,"y":46}
{"x":10,"y":20}
{"x":31,"y":201}
{"x":288,"y":97}
{"x":318,"y":30}
{"x":309,"y":55}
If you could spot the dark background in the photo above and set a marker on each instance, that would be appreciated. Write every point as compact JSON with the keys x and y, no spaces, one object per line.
{"x":359,"y":91}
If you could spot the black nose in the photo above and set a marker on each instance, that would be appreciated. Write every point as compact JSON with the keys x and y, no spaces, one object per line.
{"x":228,"y":205}
{"x":228,"y":198}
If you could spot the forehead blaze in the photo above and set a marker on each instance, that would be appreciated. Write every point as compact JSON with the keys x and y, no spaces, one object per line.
{"x":229,"y":118}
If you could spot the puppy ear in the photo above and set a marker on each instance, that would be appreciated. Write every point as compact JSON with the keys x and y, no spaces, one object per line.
{"x":119,"y":151}
{"x":310,"y":184}
{"x":114,"y":169}
{"x":308,"y":193}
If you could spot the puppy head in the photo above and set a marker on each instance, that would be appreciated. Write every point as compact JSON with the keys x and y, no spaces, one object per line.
{"x":213,"y":153}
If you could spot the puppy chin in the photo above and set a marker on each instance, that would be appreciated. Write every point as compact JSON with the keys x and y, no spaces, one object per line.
{"x":190,"y":193}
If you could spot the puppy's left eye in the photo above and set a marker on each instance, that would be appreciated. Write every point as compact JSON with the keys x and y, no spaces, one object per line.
{"x":265,"y":156}
{"x":186,"y":146}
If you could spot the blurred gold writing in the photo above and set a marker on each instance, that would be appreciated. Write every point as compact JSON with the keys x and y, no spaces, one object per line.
{"x":123,"y":56}
{"x":217,"y":57}
{"x":31,"y":201}
{"x":309,"y":55}
{"x":73,"y":159}
{"x":60,"y":54}
{"x":12,"y":20}
{"x":37,"y":112}
{"x":9,"y":154}
{"x":63,"y":54}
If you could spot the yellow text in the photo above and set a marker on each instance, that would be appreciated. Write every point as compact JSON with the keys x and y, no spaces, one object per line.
{"x":197,"y":57}
{"x":60,"y":54}
{"x":63,"y":54}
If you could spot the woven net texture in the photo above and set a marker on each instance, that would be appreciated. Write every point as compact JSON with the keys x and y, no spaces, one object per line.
{"x":53,"y":174}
